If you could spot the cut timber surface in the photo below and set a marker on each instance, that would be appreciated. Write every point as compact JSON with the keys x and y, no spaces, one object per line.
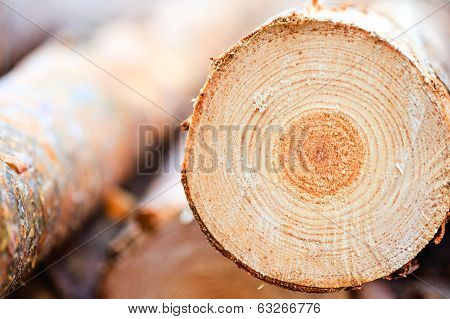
{"x":329,"y":164}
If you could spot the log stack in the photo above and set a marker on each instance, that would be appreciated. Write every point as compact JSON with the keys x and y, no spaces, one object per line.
{"x":317,"y":155}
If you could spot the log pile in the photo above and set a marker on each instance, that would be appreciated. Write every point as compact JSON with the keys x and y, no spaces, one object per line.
{"x":316,"y":155}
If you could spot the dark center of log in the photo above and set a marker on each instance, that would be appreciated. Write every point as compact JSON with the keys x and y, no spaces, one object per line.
{"x":321,"y":153}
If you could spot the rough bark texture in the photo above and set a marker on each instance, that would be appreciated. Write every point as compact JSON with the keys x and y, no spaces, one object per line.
{"x":368,"y":119}
{"x":68,"y":130}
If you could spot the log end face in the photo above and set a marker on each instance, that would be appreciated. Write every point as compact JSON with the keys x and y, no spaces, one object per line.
{"x":351,"y":184}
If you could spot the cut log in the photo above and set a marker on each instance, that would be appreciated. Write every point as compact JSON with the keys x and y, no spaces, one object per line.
{"x":175,"y":261}
{"x":68,"y":130}
{"x":317,"y":154}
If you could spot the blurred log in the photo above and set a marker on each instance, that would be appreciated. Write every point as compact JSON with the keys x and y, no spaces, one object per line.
{"x":84,"y":258}
{"x":175,"y":261}
{"x":22,"y":23}
{"x":353,"y":183}
{"x":17,"y":38}
{"x":68,"y":130}
{"x":77,"y":275}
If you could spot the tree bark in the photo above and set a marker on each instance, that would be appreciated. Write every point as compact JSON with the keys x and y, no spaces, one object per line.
{"x":68,"y":130}
{"x":317,"y":154}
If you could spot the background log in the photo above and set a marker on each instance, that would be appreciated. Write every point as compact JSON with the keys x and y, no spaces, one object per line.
{"x":68,"y":131}
{"x":177,"y":262}
{"x":22,"y":22}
